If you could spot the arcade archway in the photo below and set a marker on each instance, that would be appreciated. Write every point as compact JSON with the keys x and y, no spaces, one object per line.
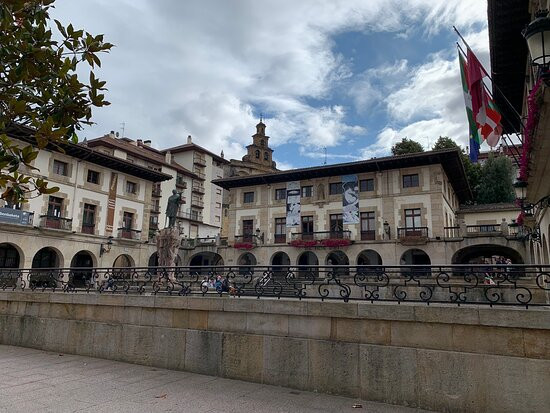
{"x":486,"y":253}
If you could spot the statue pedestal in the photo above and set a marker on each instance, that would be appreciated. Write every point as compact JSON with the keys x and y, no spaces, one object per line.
{"x":168,"y":243}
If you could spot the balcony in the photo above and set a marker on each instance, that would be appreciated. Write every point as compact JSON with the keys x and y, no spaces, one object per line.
{"x":129,"y":233}
{"x":156,"y":192}
{"x":452,"y":232}
{"x":245,"y":242}
{"x":198,"y":203}
{"x":483,"y":229}
{"x":369,"y":235}
{"x":413,"y":236}
{"x":88,"y":229}
{"x":199,"y":159}
{"x":199,"y":173}
{"x":180,"y":182}
{"x":193,"y":216}
{"x":53,"y":222}
{"x":332,"y":239}
{"x":155,"y":209}
{"x":198,"y":187}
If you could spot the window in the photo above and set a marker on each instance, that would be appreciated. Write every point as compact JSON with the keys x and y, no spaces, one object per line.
{"x":266,"y":156}
{"x":280,"y":193}
{"x":55,"y":206}
{"x":154,"y":220}
{"x":60,"y":168}
{"x":307,"y":191}
{"x":410,"y":181}
{"x":93,"y":177}
{"x":368,"y":226}
{"x":413,"y":218}
{"x":257,"y":154}
{"x":262,"y":142}
{"x":335,"y":188}
{"x":336,"y":225}
{"x":280,"y":230}
{"x":131,"y":187}
{"x":218,"y":205}
{"x":307,"y":227}
{"x":248,"y":230}
{"x":366,"y":185}
{"x":88,"y":219}
{"x":218,"y":190}
{"x":217,"y":218}
{"x":127,"y":220}
{"x":248,"y":197}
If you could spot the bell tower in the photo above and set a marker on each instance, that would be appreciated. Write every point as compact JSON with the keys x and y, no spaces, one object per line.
{"x":259,"y":152}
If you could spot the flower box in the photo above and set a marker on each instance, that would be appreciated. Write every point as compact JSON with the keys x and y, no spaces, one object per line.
{"x":300,"y":243}
{"x":243,"y":245}
{"x":335,"y":243}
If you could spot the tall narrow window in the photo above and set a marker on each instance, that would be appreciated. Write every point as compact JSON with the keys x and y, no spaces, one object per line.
{"x":280,"y":230}
{"x":127,"y":220}
{"x":55,"y":212}
{"x":248,"y":230}
{"x":368,"y":226}
{"x":307,"y":227}
{"x":336,"y":225}
{"x":131,"y":187}
{"x":88,"y":219}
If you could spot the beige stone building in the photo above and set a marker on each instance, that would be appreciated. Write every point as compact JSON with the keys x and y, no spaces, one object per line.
{"x":408,"y":209}
{"x":99,"y":217}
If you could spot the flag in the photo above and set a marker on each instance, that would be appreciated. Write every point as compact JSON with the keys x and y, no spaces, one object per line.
{"x":486,"y":113}
{"x":475,"y":140}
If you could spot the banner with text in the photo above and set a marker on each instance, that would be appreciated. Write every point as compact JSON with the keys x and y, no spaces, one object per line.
{"x":350,"y":199}
{"x":293,"y":204}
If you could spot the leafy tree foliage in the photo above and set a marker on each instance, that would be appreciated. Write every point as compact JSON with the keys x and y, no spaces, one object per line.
{"x":406,"y":146}
{"x":40,"y":89}
{"x":496,"y":181}
{"x":444,"y":142}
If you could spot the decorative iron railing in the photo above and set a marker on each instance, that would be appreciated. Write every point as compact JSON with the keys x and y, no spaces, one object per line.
{"x":416,"y":232}
{"x":518,"y":285}
{"x":50,"y":221}
{"x":321,"y":235}
{"x":129,"y":233}
{"x":483,"y":228}
{"x":452,"y":232}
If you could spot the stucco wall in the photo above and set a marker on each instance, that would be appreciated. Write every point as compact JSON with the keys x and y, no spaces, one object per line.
{"x":444,"y":358}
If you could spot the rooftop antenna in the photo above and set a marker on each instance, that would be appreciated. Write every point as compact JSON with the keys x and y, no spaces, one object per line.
{"x":325,"y":149}
{"x":261,"y":117}
{"x":123,"y":127}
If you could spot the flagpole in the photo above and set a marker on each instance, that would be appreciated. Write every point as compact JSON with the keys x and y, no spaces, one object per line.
{"x":489,"y":76}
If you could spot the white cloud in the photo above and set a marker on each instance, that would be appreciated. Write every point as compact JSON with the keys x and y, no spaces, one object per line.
{"x":206,"y":68}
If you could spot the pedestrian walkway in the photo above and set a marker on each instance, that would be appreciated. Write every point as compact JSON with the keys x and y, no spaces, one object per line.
{"x":38,"y":381}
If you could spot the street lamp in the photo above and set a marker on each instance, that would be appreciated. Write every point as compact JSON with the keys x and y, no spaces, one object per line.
{"x":537,"y":35}
{"x":520,"y":188}
{"x":106,"y":247}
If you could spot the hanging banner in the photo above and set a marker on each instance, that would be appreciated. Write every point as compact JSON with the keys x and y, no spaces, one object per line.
{"x":350,"y":199}
{"x":293,"y":204}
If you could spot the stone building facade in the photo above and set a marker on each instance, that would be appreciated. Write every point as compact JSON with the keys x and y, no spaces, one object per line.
{"x":99,"y":217}
{"x":408,"y":215}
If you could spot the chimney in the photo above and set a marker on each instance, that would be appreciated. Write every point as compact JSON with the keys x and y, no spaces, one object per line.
{"x":189,"y":139}
{"x":139,"y":142}
{"x":147,"y":142}
{"x":168,"y":157}
{"x":112,"y":134}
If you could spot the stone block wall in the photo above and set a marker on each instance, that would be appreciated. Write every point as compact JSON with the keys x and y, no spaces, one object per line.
{"x":437,"y":357}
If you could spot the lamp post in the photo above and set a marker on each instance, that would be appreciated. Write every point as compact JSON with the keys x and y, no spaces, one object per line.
{"x":537,"y":35}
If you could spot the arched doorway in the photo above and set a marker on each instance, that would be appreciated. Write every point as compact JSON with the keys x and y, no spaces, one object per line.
{"x":153,"y":260}
{"x":418,"y":257}
{"x":369,"y":257}
{"x":281,"y":263}
{"x":309,"y":261}
{"x":123,"y":261}
{"x":336,"y":259}
{"x":81,"y":269}
{"x":206,"y":259}
{"x":45,"y":258}
{"x":246,"y":262}
{"x":9,"y":256}
{"x":486,"y":253}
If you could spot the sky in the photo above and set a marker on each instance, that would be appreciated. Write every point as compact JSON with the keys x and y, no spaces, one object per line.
{"x":348,"y":78}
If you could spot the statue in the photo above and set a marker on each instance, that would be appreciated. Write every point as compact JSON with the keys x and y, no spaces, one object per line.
{"x":173,"y":207}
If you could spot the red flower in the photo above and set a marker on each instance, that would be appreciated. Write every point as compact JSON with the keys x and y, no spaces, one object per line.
{"x":300,"y":243}
{"x":243,"y":245}
{"x":334,"y":243}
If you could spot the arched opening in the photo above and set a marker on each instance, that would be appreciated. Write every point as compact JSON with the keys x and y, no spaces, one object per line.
{"x":281,"y":263}
{"x":486,"y":253}
{"x":153,"y":260}
{"x":9,"y":265}
{"x":206,"y":259}
{"x":544,"y":252}
{"x":45,"y":258}
{"x":257,"y":153}
{"x":123,"y":261}
{"x":336,"y":259}
{"x":246,"y":262}
{"x":369,"y":257}
{"x":416,"y":257}
{"x":81,"y":269}
{"x":9,"y":256}
{"x":308,"y":262}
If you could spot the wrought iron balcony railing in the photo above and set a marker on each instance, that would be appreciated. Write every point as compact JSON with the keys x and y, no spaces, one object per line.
{"x":280,"y":238}
{"x":193,"y":216}
{"x":416,"y":232}
{"x":487,"y":284}
{"x":156,"y":192}
{"x":180,"y":182}
{"x":368,"y":235}
{"x":88,"y":229}
{"x":320,"y":235}
{"x":50,"y":221}
{"x":197,"y":187}
{"x":472,"y":229}
{"x":199,"y":203}
{"x":129,"y":233}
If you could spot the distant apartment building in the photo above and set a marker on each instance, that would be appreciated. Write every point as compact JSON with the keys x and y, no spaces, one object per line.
{"x":407,"y":214}
{"x":100,"y":216}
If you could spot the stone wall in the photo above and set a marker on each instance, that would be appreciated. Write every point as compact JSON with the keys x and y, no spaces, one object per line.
{"x":444,"y":358}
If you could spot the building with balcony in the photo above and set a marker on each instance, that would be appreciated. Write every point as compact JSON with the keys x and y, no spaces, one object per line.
{"x":99,"y":217}
{"x":522,"y":92}
{"x":407,"y":210}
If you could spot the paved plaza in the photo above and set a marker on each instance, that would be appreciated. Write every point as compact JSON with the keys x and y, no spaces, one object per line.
{"x":38,"y":381}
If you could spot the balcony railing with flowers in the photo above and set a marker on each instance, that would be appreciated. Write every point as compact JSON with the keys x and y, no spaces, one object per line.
{"x":245,"y":242}
{"x":50,"y":221}
{"x":332,"y":239}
